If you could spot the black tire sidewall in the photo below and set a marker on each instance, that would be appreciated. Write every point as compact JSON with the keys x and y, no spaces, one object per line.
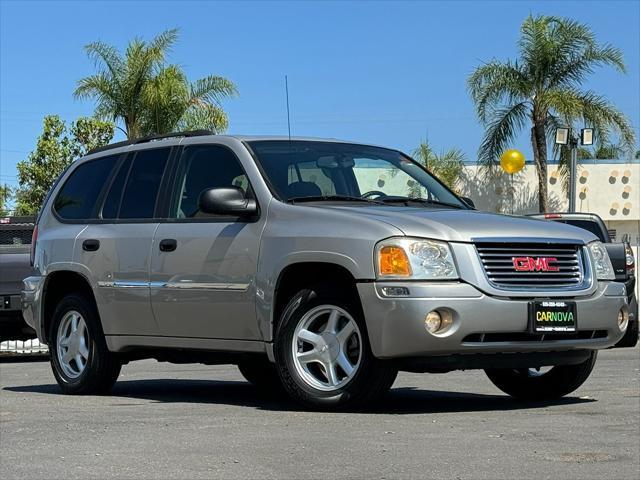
{"x":556,"y":383}
{"x":98,"y":351}
{"x":262,"y":374}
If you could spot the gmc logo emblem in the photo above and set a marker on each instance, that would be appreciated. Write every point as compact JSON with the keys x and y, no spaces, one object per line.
{"x":530,"y":264}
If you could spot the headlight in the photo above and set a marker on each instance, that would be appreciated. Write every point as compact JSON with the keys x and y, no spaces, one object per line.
{"x":413,"y":258}
{"x":601,"y":261}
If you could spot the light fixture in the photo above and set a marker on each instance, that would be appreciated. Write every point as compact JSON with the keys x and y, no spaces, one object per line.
{"x":623,"y":319}
{"x":586,"y":136}
{"x":562,"y":136}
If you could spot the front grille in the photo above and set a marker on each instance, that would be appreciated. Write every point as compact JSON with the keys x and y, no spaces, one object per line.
{"x":533,"y":337}
{"x":498,"y":263}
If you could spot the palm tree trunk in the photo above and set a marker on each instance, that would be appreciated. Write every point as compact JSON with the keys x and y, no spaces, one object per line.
{"x":539,"y":144}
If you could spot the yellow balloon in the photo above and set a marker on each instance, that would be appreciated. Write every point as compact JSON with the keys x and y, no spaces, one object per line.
{"x":512,"y":161}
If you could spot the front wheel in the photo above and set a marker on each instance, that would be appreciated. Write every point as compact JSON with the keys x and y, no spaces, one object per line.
{"x":538,"y":384}
{"x":323,"y":354}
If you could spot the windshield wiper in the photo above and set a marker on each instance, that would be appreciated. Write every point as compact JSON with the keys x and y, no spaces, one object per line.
{"x":407,"y":200}
{"x":330,"y":198}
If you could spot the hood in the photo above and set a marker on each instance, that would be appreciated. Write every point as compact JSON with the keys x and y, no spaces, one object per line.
{"x":469,"y":225}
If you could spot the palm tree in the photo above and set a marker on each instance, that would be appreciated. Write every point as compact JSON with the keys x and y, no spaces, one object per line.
{"x":447,"y":165}
{"x":146,"y":95}
{"x":5,"y":195}
{"x":543,"y":88}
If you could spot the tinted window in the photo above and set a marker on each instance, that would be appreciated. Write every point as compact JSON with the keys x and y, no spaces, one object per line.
{"x":77,"y":198}
{"x":112,"y":202}
{"x":203,"y":167}
{"x":143,"y":183}
{"x":588,"y":225}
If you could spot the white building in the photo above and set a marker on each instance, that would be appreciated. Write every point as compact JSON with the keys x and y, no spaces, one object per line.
{"x":609,"y":188}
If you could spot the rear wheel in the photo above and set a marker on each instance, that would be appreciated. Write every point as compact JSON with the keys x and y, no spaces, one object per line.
{"x":80,"y":360}
{"x":542,"y":384}
{"x":323,"y":354}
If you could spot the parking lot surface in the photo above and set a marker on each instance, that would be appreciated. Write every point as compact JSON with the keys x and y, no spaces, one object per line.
{"x":194,"y":421}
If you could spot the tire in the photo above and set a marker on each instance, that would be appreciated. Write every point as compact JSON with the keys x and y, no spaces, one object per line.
{"x":262,"y":374}
{"x":529,"y":384}
{"x":350,"y":377}
{"x":97,"y":369}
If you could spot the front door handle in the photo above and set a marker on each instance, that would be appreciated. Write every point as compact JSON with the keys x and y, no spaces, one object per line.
{"x":91,"y":245}
{"x":168,"y":245}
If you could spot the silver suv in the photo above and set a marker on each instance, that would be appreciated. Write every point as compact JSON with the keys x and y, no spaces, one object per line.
{"x":317,"y":266}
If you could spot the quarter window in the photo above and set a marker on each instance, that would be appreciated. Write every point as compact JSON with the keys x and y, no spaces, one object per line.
{"x":77,"y":198}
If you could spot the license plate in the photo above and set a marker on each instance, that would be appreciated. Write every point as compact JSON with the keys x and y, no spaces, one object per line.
{"x":552,"y":316}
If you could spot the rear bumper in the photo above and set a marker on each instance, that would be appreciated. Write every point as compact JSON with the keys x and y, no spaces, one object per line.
{"x":10,"y":303}
{"x":12,"y":324}
{"x":481,"y":323}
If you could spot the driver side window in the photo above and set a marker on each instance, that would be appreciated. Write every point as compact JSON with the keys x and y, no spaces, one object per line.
{"x":203,"y":167}
{"x":374,"y":175}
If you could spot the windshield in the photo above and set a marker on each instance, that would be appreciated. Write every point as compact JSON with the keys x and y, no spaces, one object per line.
{"x":327,"y":171}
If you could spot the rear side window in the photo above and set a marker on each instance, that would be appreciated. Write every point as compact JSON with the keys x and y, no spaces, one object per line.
{"x":138,"y":200}
{"x":77,"y":198}
{"x":111,"y":205}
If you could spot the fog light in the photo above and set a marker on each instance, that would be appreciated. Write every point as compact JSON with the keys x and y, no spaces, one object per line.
{"x":623,"y":319}
{"x":433,"y":321}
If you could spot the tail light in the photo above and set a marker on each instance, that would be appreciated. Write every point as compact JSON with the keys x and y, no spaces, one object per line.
{"x":34,"y":241}
{"x":552,"y":215}
{"x":629,"y":258}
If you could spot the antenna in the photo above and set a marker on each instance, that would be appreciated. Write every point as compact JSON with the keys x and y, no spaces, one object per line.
{"x":286,"y":89}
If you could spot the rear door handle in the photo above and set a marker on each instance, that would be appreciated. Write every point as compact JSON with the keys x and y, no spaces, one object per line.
{"x":91,"y":245}
{"x":168,"y":245}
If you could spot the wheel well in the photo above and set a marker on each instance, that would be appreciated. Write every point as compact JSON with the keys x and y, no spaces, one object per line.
{"x":59,"y":285}
{"x":303,"y":275}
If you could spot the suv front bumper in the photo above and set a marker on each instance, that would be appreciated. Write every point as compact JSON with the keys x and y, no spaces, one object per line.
{"x":481,"y":323}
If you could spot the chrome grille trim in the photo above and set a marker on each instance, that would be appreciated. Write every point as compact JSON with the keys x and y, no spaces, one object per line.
{"x":497,"y":263}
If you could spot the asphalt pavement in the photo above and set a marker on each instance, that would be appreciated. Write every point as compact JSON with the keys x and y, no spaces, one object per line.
{"x":194,"y":421}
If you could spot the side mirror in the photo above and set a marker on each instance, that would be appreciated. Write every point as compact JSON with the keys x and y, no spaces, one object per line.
{"x":226,"y":201}
{"x":468,"y":201}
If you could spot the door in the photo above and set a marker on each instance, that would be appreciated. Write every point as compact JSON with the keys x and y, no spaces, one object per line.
{"x":203,"y":266}
{"x":117,"y":247}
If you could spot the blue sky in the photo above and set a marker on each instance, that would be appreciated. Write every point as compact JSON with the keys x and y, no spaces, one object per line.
{"x":385,"y":73}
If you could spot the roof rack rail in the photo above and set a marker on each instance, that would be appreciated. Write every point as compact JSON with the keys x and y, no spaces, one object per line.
{"x":151,"y":138}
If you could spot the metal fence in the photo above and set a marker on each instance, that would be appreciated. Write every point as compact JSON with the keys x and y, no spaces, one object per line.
{"x":27,"y":347}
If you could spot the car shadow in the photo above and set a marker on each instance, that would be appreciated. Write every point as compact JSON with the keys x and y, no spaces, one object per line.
{"x":399,"y":401}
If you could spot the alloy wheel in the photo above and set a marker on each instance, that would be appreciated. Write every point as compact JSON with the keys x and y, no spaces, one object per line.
{"x":327,"y":347}
{"x":72,"y":344}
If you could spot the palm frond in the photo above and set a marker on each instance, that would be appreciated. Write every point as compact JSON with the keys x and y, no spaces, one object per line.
{"x":204,"y":116}
{"x":212,"y":89}
{"x":494,"y":83}
{"x":573,"y":69}
{"x":105,"y":57}
{"x":162,"y":44}
{"x":594,"y":111}
{"x":500,"y":131}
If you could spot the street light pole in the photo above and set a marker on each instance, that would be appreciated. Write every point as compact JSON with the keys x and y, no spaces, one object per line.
{"x":564,"y":136}
{"x":573,"y":145}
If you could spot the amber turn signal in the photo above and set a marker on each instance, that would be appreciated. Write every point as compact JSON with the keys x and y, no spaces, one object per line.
{"x":393,"y":261}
